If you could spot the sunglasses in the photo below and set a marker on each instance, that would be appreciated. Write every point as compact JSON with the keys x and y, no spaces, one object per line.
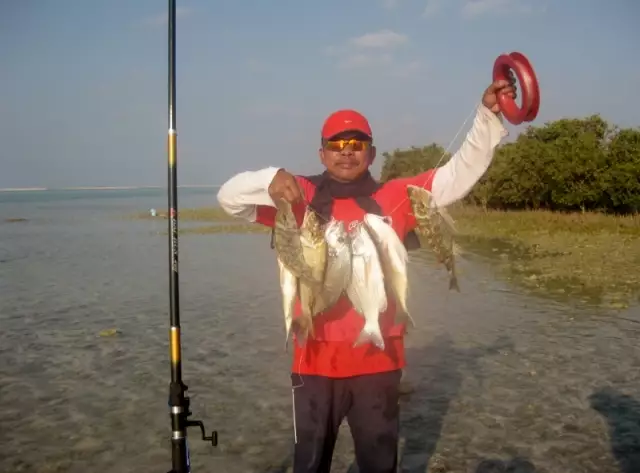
{"x":339,"y":145}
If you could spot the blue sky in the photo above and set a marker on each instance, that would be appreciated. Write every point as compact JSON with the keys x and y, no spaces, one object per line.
{"x":83,"y":96}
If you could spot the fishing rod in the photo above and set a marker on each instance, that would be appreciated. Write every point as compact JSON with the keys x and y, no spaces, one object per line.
{"x":178,"y":401}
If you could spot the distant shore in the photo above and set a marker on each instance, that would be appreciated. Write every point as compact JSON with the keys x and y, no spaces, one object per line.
{"x":99,"y":188}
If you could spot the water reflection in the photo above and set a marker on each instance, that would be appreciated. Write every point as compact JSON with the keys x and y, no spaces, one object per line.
{"x":424,"y":410}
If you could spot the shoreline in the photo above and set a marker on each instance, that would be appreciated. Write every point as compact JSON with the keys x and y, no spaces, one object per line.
{"x":97,"y":188}
{"x":586,"y":257}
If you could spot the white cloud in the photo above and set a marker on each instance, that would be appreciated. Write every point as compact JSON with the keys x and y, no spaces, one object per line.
{"x":373,"y":50}
{"x":384,"y":39}
{"x":162,"y":19}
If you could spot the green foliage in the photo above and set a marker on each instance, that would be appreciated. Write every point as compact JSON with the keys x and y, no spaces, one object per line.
{"x":412,"y":161}
{"x":570,"y":164}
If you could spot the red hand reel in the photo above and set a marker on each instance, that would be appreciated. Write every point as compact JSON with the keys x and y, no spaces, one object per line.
{"x":529,"y":89}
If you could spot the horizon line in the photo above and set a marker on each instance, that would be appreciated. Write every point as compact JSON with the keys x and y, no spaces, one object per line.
{"x":41,"y":189}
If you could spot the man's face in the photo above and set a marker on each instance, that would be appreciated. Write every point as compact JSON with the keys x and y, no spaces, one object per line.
{"x":347,"y":155}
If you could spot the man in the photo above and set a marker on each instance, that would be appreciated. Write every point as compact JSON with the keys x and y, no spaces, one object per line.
{"x":332,"y":379}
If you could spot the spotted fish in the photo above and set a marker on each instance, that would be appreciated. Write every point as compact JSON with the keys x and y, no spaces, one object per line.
{"x":436,"y":227}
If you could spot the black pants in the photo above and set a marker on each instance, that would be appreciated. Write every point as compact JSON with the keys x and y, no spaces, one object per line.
{"x":370,"y":404}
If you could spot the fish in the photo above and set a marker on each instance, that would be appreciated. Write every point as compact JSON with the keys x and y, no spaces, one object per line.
{"x":366,"y":290}
{"x":394,"y":259}
{"x":289,"y":288}
{"x":437,"y":227}
{"x":314,"y":254}
{"x":338,"y":270}
{"x":287,"y":239}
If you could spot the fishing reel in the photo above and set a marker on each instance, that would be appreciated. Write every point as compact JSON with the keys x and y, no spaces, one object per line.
{"x":529,"y":88}
{"x":180,"y":411}
{"x":213,"y":438}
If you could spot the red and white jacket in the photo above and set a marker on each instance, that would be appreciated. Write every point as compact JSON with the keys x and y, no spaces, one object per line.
{"x":331,"y":352}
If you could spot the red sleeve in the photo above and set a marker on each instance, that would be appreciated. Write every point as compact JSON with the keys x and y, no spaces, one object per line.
{"x":266,"y":215}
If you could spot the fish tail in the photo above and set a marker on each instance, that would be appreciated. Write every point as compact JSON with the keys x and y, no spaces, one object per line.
{"x":301,"y":338}
{"x":311,"y":330}
{"x":403,"y":317}
{"x":303,"y":328}
{"x":370,"y":333}
{"x":288,"y":321}
{"x":288,"y":332}
{"x":319,"y":303}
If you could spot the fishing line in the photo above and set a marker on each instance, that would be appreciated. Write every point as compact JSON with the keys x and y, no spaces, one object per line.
{"x":293,"y":397}
{"x":473,"y":111}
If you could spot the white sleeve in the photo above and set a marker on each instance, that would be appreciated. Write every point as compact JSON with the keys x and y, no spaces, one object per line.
{"x":455,"y":179}
{"x":240,"y":195}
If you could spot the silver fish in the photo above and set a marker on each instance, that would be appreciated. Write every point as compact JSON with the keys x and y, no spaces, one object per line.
{"x":338,"y":271}
{"x":436,"y":227}
{"x":289,"y":288}
{"x":394,"y":258}
{"x":366,"y":290}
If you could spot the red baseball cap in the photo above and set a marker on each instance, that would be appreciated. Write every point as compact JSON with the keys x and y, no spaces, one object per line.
{"x":345,"y":120}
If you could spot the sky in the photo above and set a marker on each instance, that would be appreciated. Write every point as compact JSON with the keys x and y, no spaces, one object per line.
{"x":83,"y":84}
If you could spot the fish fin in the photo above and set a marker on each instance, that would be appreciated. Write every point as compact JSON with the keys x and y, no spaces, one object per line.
{"x":370,"y":333}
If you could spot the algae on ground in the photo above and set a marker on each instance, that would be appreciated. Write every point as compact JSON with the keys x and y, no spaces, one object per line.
{"x":593,"y":257}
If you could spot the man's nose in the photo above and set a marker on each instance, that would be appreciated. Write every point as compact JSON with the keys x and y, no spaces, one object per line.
{"x":347,"y":151}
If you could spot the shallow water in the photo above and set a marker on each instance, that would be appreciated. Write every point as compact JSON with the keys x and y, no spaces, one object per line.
{"x":496,"y":374}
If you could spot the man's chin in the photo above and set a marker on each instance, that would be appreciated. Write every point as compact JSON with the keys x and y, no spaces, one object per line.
{"x":347,"y":173}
